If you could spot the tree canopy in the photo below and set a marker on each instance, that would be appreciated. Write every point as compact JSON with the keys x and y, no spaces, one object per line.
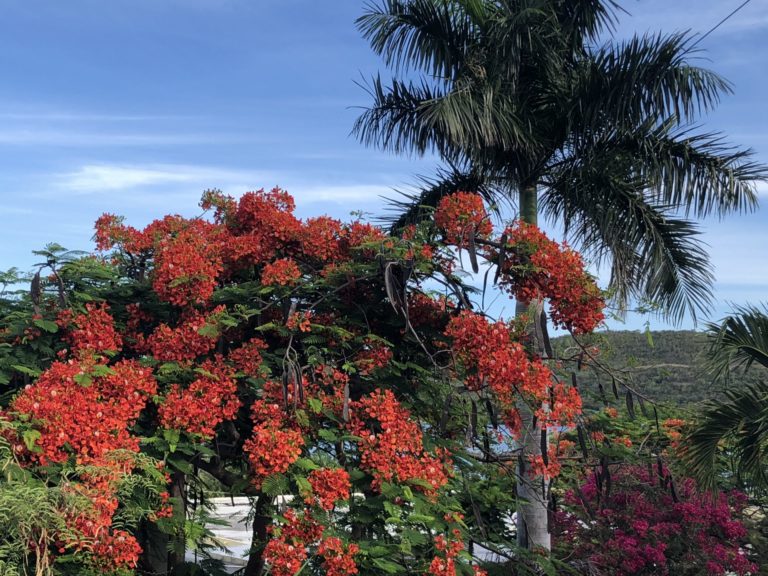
{"x":304,"y":363}
{"x":525,"y":94}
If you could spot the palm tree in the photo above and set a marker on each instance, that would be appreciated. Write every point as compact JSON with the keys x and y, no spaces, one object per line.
{"x":739,"y":421}
{"x":517,"y":96}
{"x":523,"y":103}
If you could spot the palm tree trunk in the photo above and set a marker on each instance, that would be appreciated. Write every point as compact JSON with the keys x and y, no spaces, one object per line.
{"x":532,"y":513}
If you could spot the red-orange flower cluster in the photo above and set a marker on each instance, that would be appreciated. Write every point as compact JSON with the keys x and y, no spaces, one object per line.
{"x":338,"y":559}
{"x":110,"y":548}
{"x":138,"y":318}
{"x":491,"y":358}
{"x":373,"y":357}
{"x":116,"y":549}
{"x":204,"y":404}
{"x":462,"y":215}
{"x":262,"y":224}
{"x":82,"y":414}
{"x":329,"y":486}
{"x":247,"y":358}
{"x":91,"y":332}
{"x":188,"y":265}
{"x":286,"y":552}
{"x":322,"y":239}
{"x":390,"y":442}
{"x":282,"y":272}
{"x":444,"y":564}
{"x":83,"y":410}
{"x":110,"y":231}
{"x":301,"y":321}
{"x":276,"y":442}
{"x":183,"y":343}
{"x":549,"y":468}
{"x":539,"y":268}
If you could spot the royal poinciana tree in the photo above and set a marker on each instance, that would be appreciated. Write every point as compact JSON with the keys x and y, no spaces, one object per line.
{"x":250,"y":352}
{"x":531,"y":102}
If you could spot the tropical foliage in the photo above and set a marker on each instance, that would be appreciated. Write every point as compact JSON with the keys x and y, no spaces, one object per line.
{"x":730,"y":436}
{"x":524,"y":95}
{"x":343,"y":377}
{"x":647,"y":522}
{"x":524,"y":101}
{"x":626,"y":504}
{"x":300,"y":362}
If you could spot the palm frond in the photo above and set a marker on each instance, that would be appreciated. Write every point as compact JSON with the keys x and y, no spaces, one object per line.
{"x":587,"y":20}
{"x":698,"y":173}
{"x":738,"y":341}
{"x":445,"y":38}
{"x":412,"y":208}
{"x":407,"y":117}
{"x":427,"y":35}
{"x":652,"y":255}
{"x":740,"y":424}
{"x":648,"y":76}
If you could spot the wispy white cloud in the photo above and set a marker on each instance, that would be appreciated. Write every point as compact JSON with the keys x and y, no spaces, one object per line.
{"x":98,"y":179}
{"x":47,"y":110}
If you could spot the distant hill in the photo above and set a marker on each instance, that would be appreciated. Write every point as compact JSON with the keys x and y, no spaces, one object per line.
{"x":668,"y":370}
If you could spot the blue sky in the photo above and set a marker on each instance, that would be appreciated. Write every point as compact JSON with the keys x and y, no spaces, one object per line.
{"x":136,"y":106}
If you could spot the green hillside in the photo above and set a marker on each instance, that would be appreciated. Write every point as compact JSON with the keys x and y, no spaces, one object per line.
{"x":666,"y":367}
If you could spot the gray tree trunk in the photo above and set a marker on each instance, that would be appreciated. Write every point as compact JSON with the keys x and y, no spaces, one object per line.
{"x":532,"y":491}
{"x":533,"y":509}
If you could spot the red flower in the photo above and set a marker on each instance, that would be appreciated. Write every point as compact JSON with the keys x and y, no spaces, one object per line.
{"x":328,"y":487}
{"x":462,"y":215}
{"x":490,"y":357}
{"x":116,"y":549}
{"x":262,"y":224}
{"x":287,"y":551}
{"x":539,"y":268}
{"x":83,"y":413}
{"x":247,"y":358}
{"x":301,"y":321}
{"x":188,"y":265}
{"x":448,"y":550}
{"x":283,"y":272}
{"x":91,"y":332}
{"x":273,"y":447}
{"x":284,"y":558}
{"x":321,"y":239}
{"x":184,"y":342}
{"x":373,"y":357}
{"x":390,"y":442}
{"x":338,"y":559}
{"x":206,"y":403}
